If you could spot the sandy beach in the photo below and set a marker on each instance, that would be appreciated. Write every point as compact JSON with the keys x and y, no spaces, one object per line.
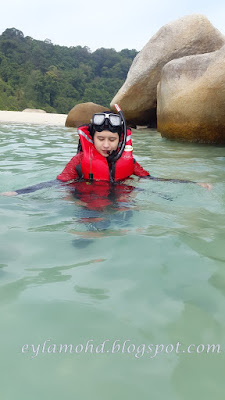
{"x":32,"y":117}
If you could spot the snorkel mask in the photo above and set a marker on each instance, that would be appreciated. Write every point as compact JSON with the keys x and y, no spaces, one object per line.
{"x":106,"y":121}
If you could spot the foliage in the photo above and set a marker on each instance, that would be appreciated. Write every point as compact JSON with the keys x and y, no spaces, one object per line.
{"x":38,"y":74}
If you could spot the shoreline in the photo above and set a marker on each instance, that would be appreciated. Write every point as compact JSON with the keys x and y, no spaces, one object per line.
{"x":32,"y":117}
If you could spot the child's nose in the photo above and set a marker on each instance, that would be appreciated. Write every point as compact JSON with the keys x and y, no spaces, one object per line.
{"x":106,"y":143}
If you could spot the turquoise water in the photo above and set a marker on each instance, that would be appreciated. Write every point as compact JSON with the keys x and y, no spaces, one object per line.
{"x":150,"y":271}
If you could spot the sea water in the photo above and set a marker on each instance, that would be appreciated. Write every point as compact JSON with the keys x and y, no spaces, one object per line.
{"x":125,"y":301}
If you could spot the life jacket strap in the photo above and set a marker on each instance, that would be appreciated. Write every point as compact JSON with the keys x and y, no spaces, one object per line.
{"x":79,"y":171}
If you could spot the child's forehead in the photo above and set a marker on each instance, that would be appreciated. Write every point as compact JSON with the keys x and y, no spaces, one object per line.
{"x":107,"y":134}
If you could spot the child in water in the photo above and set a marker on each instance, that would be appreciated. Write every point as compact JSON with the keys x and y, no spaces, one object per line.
{"x":104,"y":154}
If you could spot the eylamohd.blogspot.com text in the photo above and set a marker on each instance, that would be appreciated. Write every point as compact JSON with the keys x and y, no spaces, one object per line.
{"x":119,"y":346}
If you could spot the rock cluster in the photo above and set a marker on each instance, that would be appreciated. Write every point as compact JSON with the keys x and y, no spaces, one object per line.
{"x":177,"y":81}
{"x":191,"y":98}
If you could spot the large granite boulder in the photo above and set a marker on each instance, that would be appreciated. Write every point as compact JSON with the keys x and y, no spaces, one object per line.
{"x":191,"y":98}
{"x":82,"y":113}
{"x":190,"y":35}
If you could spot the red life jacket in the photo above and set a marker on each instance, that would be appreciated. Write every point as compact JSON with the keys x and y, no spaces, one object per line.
{"x":93,"y":162}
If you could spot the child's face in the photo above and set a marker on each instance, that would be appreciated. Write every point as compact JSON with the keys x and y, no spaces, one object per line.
{"x":105,"y":142}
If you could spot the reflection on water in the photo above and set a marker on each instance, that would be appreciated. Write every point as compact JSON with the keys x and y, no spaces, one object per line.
{"x":142,"y":261}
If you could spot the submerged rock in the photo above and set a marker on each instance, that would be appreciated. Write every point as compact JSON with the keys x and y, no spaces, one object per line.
{"x":193,"y":34}
{"x":191,"y":98}
{"x":82,"y":113}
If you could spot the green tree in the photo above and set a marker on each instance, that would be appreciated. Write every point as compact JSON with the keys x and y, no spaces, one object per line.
{"x":39,"y":74}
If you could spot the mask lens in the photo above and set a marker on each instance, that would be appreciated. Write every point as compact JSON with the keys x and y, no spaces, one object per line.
{"x":115,"y":120}
{"x":98,"y":119}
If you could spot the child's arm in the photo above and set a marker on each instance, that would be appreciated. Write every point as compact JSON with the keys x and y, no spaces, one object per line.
{"x":139,"y":171}
{"x":32,"y":188}
{"x":68,"y":174}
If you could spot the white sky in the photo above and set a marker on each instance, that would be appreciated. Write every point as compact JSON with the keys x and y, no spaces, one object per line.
{"x":116,"y":24}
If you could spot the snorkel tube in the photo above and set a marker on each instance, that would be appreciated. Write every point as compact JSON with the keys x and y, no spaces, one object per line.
{"x":116,"y":156}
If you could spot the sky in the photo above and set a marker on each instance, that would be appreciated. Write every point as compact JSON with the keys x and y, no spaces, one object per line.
{"x":118,"y":24}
